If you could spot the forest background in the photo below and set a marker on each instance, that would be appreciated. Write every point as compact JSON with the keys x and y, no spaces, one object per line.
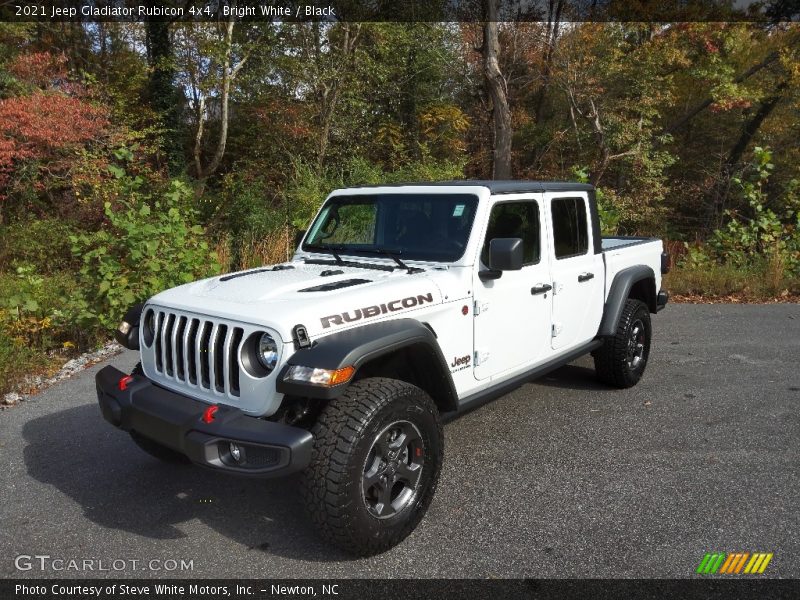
{"x":138,"y":156}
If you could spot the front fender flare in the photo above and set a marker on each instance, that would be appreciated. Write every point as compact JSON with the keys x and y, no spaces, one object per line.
{"x":356,"y":347}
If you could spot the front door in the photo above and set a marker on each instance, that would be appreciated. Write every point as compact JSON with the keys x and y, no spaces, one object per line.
{"x":512,"y":324}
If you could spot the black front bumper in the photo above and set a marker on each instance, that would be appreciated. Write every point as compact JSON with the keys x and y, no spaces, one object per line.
{"x":268,"y":449}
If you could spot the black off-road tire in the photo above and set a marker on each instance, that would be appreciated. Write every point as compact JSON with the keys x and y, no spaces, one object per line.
{"x":622,"y":359}
{"x":159,"y":451}
{"x":348,"y":435}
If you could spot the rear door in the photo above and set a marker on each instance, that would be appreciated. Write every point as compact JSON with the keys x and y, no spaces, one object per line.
{"x":512,"y":325}
{"x":576,"y":271}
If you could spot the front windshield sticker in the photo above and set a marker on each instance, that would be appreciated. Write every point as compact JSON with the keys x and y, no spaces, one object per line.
{"x":458,"y":210}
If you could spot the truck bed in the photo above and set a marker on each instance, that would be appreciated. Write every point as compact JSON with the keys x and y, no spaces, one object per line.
{"x":620,"y":252}
{"x":620,"y":241}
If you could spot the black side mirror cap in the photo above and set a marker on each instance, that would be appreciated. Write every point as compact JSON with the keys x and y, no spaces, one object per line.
{"x":298,"y":236}
{"x":505,"y":254}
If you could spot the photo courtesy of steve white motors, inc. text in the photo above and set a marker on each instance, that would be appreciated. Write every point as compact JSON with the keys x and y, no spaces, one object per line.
{"x":161,"y":589}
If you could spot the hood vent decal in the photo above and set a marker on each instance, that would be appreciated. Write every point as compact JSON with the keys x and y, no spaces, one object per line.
{"x":254,"y":271}
{"x":335,"y":285}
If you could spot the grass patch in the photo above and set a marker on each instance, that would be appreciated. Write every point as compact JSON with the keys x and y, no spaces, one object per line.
{"x":37,"y":334}
{"x":713,"y":281}
{"x":18,"y":361}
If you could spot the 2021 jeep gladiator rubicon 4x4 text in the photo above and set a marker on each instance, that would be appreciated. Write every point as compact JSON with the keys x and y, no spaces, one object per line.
{"x":403,"y":306}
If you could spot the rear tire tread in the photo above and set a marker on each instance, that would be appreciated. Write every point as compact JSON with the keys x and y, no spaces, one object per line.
{"x":610,"y":360}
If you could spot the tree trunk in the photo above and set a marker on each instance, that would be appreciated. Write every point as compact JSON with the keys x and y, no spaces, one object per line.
{"x":162,"y":93}
{"x":553,"y":24}
{"x":698,"y":108}
{"x":501,"y":166}
{"x":749,"y":130}
{"x":330,"y":94}
{"x":229,"y":73}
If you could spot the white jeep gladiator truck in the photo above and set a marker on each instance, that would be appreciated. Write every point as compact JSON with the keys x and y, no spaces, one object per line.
{"x":403,"y":307}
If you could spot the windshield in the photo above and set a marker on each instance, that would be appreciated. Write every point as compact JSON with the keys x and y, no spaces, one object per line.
{"x":432,"y":227}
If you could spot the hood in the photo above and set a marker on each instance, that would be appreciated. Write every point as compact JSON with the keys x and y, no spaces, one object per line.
{"x":323,"y":298}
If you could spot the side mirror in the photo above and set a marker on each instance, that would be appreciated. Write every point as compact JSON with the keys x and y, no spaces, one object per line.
{"x":298,"y":236}
{"x":505,"y":254}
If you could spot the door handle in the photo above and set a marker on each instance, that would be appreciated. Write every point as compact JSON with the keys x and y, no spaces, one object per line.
{"x":541,"y":288}
{"x":585,"y":277}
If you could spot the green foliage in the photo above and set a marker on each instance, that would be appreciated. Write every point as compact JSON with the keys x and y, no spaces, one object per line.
{"x":246,"y":210}
{"x":43,"y":243}
{"x":34,"y":330}
{"x":90,"y":222}
{"x":149,"y":245}
{"x":247,"y":205}
{"x":760,"y":234}
{"x":32,"y":308}
{"x":308,"y":188}
{"x":17,"y":360}
{"x":608,"y":213}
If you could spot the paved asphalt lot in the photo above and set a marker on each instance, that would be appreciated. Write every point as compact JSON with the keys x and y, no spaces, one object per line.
{"x":562,"y":477}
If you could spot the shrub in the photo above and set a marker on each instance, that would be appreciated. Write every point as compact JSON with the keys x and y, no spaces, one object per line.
{"x":251,"y":218}
{"x":32,"y":309}
{"x":763,"y":235}
{"x":16,"y":361}
{"x":149,"y":245}
{"x":43,"y":243}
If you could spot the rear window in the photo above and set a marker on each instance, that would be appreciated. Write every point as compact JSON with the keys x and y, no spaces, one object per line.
{"x":570,"y":232}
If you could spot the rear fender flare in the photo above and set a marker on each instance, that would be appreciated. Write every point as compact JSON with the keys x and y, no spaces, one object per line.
{"x":620,"y":292}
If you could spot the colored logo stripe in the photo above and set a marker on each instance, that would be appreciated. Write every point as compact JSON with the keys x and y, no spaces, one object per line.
{"x":733,"y":563}
{"x":711,"y":562}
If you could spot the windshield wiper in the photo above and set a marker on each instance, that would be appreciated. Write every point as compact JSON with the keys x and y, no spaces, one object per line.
{"x":395,"y":256}
{"x":333,"y":249}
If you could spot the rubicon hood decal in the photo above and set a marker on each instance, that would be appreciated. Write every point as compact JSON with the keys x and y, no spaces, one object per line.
{"x":349,"y":316}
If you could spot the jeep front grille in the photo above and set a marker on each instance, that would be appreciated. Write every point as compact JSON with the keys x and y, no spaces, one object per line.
{"x":208,"y":358}
{"x":197,"y":351}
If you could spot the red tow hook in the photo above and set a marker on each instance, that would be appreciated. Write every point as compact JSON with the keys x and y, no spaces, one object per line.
{"x":208,"y":414}
{"x":124,"y":382}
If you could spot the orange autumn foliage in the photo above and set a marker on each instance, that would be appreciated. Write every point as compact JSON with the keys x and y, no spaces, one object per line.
{"x":44,"y":127}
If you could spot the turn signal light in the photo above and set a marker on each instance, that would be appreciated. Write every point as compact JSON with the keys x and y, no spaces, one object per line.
{"x":326,"y":377}
{"x":341,"y":375}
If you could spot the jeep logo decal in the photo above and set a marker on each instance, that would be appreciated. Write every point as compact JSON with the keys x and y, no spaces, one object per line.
{"x":460,"y":361}
{"x":375,"y":310}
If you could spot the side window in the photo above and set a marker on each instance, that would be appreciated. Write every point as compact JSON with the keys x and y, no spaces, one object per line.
{"x":570,"y":232}
{"x":515,"y":220}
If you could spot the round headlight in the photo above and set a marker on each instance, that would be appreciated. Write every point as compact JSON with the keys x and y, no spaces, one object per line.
{"x":267,"y":352}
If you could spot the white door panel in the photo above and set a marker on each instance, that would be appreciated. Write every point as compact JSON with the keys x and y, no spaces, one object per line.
{"x":511,"y":323}
{"x":577,"y":272}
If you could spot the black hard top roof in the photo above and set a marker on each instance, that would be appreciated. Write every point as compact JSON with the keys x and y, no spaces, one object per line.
{"x":501,"y":186}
